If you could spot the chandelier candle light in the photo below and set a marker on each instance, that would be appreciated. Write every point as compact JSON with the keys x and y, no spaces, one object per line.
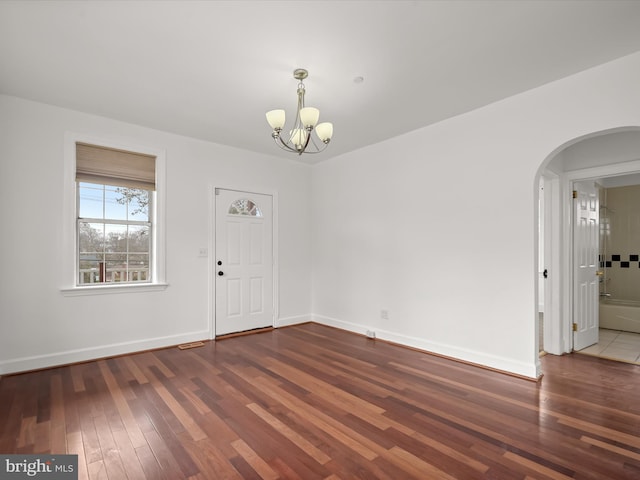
{"x":300,"y":140}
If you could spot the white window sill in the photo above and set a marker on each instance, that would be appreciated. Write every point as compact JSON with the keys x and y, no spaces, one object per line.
{"x":110,"y":289}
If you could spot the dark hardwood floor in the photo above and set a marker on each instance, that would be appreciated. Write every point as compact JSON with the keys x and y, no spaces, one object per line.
{"x":312,"y":402}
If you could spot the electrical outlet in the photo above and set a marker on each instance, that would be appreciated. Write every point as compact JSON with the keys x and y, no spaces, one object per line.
{"x":384,"y":314}
{"x":203,"y":252}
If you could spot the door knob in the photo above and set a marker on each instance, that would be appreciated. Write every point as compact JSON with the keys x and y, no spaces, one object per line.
{"x":600,"y":273}
{"x":220,"y":273}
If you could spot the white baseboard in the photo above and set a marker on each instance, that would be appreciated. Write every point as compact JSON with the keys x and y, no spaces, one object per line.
{"x":295,"y":320}
{"x":84,"y":354}
{"x":479,"y":358}
{"x":80,"y":355}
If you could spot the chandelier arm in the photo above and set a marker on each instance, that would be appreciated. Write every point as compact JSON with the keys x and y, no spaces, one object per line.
{"x":306,"y":143}
{"x":315,"y":145}
{"x":313,"y":142}
{"x":283,"y":145}
{"x":312,"y":152}
{"x":286,"y":147}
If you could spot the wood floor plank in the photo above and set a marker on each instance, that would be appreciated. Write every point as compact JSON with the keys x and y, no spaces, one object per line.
{"x":43,"y":437}
{"x":135,"y":435}
{"x":27,"y":432}
{"x":302,"y":443}
{"x":345,"y":400}
{"x":76,"y":375}
{"x":136,"y":372}
{"x":315,"y":402}
{"x":110,"y":450}
{"x":149,"y":463}
{"x":127,"y":451}
{"x":212,"y":461}
{"x":97,"y":471}
{"x":536,"y":467}
{"x":321,"y":421}
{"x":58,"y":421}
{"x":261,"y":467}
{"x":451,"y":452}
{"x":538,"y":409}
{"x":180,"y":413}
{"x":611,"y":434}
{"x":155,"y":361}
{"x":415,"y":466}
{"x":196,"y":401}
{"x":162,"y":452}
{"x":75,"y":447}
{"x":92,"y":450}
{"x":613,"y":448}
{"x":268,"y":444}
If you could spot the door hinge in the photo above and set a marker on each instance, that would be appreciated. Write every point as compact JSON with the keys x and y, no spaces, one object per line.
{"x":575,"y":327}
{"x":575,"y":194}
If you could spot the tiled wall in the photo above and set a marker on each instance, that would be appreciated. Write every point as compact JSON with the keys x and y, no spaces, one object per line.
{"x":620,"y":241}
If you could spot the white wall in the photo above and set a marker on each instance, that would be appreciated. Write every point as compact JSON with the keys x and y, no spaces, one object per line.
{"x":439,"y":226}
{"x":39,"y":326}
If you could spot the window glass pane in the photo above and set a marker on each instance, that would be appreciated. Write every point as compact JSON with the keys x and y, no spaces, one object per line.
{"x":138,"y":267}
{"x":89,"y":271}
{"x":91,"y":200}
{"x":244,"y":206}
{"x":116,"y":267}
{"x":138,"y":238}
{"x":115,"y":203}
{"x":91,"y":239}
{"x":115,"y":238}
{"x":138,"y":203}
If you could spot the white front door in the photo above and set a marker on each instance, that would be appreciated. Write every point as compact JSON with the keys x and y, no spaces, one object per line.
{"x":243,"y":261}
{"x":586,"y":290}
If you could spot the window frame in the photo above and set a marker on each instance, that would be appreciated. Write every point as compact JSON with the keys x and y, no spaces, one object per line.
{"x":70,"y":245}
{"x":112,"y":221}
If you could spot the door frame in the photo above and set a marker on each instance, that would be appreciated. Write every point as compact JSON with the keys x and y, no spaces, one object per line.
{"x":559,"y":326}
{"x":552,"y":240}
{"x":211,"y":249}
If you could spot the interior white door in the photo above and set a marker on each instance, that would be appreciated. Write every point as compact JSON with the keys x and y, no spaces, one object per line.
{"x":243,"y":261}
{"x":586,"y":290}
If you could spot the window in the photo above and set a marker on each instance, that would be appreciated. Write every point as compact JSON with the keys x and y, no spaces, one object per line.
{"x":244,"y":206}
{"x":115,"y":191}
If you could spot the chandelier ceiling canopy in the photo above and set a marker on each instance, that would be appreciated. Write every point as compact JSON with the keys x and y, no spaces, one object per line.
{"x":299,"y":139}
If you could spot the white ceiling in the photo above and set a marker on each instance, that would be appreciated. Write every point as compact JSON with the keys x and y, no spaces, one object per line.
{"x":210,"y":69}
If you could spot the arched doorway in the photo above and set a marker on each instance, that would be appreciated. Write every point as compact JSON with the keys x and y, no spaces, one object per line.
{"x":606,"y":157}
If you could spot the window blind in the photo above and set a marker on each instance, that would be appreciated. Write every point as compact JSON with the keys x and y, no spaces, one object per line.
{"x":96,"y":164}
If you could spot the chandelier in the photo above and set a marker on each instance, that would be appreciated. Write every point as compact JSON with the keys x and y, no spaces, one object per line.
{"x":300,"y":139}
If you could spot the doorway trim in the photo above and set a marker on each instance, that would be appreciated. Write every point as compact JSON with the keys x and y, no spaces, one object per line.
{"x":211,"y":246}
{"x":587,"y":174}
{"x":552,"y":239}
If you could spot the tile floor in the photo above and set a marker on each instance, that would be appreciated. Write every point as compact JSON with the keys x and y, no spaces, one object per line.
{"x":616,"y":345}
